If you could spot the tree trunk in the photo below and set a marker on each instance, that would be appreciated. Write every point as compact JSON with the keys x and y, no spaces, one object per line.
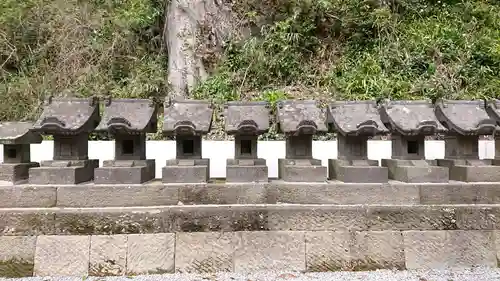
{"x":195,"y":31}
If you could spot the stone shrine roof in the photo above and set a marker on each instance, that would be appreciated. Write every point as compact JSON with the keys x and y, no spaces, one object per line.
{"x":247,"y":117}
{"x":356,"y":118}
{"x":465,"y":117}
{"x":129,"y":116}
{"x":296,"y":116}
{"x":68,"y":116}
{"x":410,"y":117}
{"x":18,"y":133}
{"x":493,"y":110}
{"x":191,"y":117}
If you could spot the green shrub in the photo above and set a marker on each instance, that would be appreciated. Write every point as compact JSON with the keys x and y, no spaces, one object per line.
{"x":302,"y":49}
{"x":78,"y":47}
{"x":350,"y":49}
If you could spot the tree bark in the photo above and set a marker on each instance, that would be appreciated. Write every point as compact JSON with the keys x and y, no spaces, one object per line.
{"x":194,"y":29}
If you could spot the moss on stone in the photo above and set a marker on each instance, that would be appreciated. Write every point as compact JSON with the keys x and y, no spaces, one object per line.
{"x":15,"y":268}
{"x":157,"y":271}
{"x":370,"y":264}
{"x":107,"y":268}
{"x":325,"y":264}
{"x":93,"y":225}
{"x":251,"y":222}
{"x":219,"y":221}
{"x":187,"y":226}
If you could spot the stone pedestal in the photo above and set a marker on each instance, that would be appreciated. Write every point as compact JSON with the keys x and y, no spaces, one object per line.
{"x":301,"y":170}
{"x":186,"y":171}
{"x":246,"y":170}
{"x":125,"y":172}
{"x":416,"y":171}
{"x":471,"y":170}
{"x":16,"y":172}
{"x":357,"y":171}
{"x":63,"y":172}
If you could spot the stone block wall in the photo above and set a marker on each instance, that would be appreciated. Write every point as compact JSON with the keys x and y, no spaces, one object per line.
{"x":157,"y":194}
{"x":205,"y":252}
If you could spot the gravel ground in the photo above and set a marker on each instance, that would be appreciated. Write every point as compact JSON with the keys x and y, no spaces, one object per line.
{"x":383,"y":275}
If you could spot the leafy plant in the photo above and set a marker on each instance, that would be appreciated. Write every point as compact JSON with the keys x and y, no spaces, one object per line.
{"x":348,"y":49}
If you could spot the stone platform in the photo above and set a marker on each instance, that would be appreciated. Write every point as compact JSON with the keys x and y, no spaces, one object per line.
{"x":101,"y":230}
{"x":155,"y":193}
{"x":247,"y":251}
{"x":239,"y":238}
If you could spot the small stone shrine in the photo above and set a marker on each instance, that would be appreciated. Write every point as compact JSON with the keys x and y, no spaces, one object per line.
{"x":466,"y":121}
{"x":355,"y":122}
{"x":16,"y":138}
{"x":187,"y":120}
{"x":409,"y":123}
{"x":493,"y":110}
{"x":128,"y":121}
{"x":69,"y":121}
{"x":246,"y":121}
{"x":299,"y":121}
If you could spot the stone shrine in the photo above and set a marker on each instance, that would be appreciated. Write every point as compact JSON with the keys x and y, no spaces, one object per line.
{"x":299,"y":121}
{"x":69,"y":121}
{"x":466,"y":121}
{"x":493,"y":110}
{"x":246,"y":121}
{"x":409,"y":123}
{"x":187,"y":120}
{"x":128,"y":121}
{"x":124,"y":224}
{"x":16,"y":138}
{"x":355,"y":122}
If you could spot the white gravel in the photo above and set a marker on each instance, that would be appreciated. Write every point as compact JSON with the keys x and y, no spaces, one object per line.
{"x":478,"y":274}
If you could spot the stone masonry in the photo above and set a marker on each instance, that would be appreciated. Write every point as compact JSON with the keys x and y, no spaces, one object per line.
{"x":69,"y":217}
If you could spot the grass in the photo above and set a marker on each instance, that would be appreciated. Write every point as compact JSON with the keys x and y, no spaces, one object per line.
{"x":78,"y":47}
{"x":298,"y":49}
{"x":356,"y":50}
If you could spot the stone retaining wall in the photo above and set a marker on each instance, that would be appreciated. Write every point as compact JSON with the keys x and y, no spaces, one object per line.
{"x":158,"y":194}
{"x":101,"y":255}
{"x":227,"y":218}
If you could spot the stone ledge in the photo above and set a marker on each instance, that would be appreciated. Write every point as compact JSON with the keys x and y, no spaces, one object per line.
{"x":227,"y":218}
{"x":158,"y":194}
{"x":247,"y":251}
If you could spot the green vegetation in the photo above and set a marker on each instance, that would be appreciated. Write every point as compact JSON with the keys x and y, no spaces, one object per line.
{"x":78,"y":47}
{"x":351,"y":49}
{"x":315,"y":49}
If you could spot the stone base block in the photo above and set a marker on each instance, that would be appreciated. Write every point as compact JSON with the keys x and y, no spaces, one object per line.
{"x":204,"y":252}
{"x":362,"y":171}
{"x":246,"y":170}
{"x":125,"y":175}
{"x":416,"y":171}
{"x":16,"y":172}
{"x":150,"y":253}
{"x":354,"y":251}
{"x":246,"y":174}
{"x":301,"y":170}
{"x":17,"y":256}
{"x":53,"y":174}
{"x":247,"y":252}
{"x":108,"y":255}
{"x":449,"y":249}
{"x":186,"y":171}
{"x":471,"y":170}
{"x":62,"y":256}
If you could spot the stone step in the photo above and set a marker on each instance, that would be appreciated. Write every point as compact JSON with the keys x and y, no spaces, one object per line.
{"x":254,"y":217}
{"x":156,"y":193}
{"x":245,"y":251}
